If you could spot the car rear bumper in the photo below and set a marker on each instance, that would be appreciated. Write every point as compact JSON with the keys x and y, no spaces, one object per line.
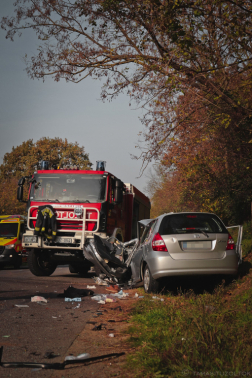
{"x":162,"y":265}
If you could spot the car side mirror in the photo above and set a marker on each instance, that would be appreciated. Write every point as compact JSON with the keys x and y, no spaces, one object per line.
{"x":119,"y":191}
{"x":20,"y":193}
{"x":21,"y":181}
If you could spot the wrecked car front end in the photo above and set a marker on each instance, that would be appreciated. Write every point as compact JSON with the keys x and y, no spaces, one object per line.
{"x":111,"y":259}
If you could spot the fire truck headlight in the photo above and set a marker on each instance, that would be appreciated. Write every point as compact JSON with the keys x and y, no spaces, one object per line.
{"x":30,"y":239}
{"x":10,"y":246}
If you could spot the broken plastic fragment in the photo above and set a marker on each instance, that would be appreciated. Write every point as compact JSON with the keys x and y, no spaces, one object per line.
{"x":97,"y":297}
{"x":120,"y":295}
{"x":21,"y":306}
{"x":38,"y":299}
{"x":82,"y":356}
{"x":101,"y":302}
{"x":111,"y":335}
{"x":100,"y":282}
{"x":72,"y":299}
{"x":110,"y":300}
{"x":136,"y":295}
{"x":91,"y":287}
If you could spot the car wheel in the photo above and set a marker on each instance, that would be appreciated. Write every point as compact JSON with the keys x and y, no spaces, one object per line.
{"x":150,"y":284}
{"x":39,"y":263}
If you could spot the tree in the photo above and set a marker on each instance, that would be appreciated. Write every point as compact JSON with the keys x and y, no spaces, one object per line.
{"x":188,"y":63}
{"x":23,"y":160}
{"x":9,"y":204}
{"x":159,"y":50}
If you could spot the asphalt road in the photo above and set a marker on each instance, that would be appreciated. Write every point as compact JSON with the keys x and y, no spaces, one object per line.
{"x":28,"y":333}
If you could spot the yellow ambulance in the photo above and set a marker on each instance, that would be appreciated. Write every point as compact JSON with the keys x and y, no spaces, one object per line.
{"x":12,"y":228}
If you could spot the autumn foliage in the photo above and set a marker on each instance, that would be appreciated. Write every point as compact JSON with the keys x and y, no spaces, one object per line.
{"x":187,"y":63}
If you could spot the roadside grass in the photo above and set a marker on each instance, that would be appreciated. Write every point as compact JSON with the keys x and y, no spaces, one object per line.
{"x":190,"y":334}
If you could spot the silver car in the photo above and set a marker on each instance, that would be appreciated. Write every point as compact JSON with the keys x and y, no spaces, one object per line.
{"x":173,"y":244}
{"x":178,"y":244}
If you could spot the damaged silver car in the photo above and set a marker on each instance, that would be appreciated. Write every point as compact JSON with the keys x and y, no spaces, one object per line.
{"x":173,"y":244}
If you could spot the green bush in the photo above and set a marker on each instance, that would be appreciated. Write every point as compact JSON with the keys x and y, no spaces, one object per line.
{"x":189,"y":336}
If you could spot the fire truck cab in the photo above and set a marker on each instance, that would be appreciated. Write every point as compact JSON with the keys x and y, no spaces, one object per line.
{"x":82,"y":203}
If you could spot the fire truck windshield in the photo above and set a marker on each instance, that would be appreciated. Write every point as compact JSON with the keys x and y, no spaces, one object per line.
{"x":68,"y":188}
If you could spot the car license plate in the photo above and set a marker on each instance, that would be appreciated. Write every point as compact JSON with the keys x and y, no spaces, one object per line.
{"x":197,"y":245}
{"x":64,"y":240}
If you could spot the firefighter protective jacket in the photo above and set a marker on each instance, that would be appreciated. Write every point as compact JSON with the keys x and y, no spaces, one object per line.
{"x":46,"y":222}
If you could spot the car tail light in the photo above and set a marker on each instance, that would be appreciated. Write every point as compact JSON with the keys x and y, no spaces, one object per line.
{"x":158,"y":244}
{"x":230,"y":243}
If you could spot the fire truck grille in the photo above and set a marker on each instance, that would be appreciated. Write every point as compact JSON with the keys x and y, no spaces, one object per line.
{"x":64,"y":225}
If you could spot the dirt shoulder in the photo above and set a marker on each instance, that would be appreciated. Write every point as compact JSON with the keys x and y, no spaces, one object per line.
{"x":113,"y":319}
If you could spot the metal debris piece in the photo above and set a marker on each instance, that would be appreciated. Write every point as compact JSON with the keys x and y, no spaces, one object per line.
{"x":55,"y":366}
{"x":21,"y":305}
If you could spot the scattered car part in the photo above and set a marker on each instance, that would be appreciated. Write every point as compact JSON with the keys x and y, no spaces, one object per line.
{"x":72,"y":292}
{"x":55,"y":366}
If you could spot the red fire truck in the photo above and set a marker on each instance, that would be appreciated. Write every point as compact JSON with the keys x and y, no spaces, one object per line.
{"x":82,"y":203}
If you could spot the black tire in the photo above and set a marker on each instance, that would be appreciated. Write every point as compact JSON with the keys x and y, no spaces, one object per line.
{"x":150,"y":284}
{"x":73,"y":269}
{"x":83,"y":269}
{"x":39,"y":263}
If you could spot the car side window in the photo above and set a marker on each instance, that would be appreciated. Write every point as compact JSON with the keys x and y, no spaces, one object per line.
{"x":148,"y":231}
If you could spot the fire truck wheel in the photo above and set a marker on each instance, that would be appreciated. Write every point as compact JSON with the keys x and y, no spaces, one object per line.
{"x":83,"y":270}
{"x":73,"y":268}
{"x":39,"y":263}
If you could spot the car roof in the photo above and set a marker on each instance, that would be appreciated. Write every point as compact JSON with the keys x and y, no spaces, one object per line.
{"x":186,"y":212}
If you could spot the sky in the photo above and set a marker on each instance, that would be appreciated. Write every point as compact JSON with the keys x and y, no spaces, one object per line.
{"x":32,"y":109}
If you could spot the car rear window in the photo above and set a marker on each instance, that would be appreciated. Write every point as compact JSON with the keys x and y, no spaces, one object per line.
{"x":190,"y":223}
